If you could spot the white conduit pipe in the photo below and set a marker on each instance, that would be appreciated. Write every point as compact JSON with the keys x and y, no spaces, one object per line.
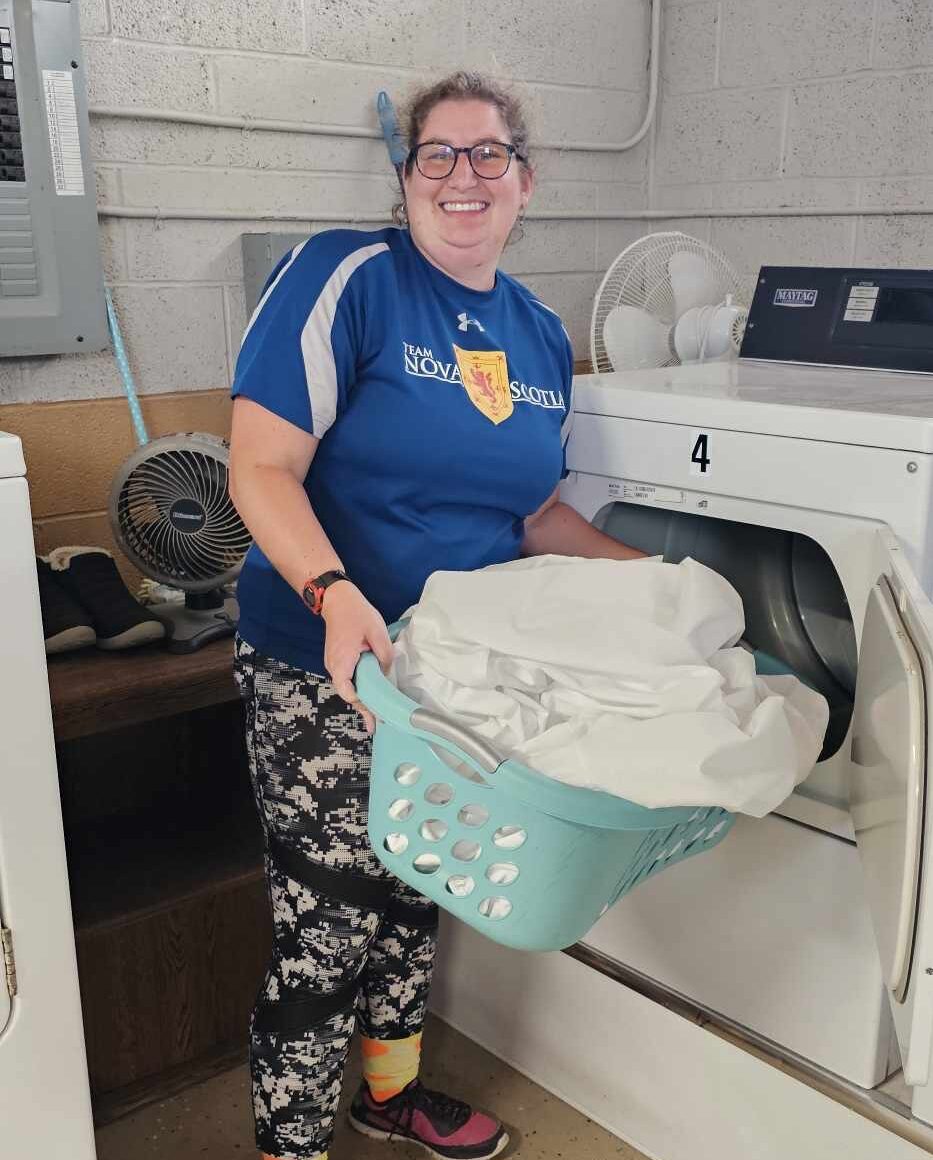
{"x":247,"y":124}
{"x":655,"y":68}
{"x":318,"y":129}
{"x":235,"y":215}
{"x":315,"y":129}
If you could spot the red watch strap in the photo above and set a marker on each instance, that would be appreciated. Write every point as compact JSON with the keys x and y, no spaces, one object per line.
{"x":312,"y":592}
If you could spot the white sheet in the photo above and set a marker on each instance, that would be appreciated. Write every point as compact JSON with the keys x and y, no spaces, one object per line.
{"x":615,"y":675}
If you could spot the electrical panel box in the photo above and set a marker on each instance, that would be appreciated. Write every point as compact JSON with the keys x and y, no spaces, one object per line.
{"x":51,"y":282}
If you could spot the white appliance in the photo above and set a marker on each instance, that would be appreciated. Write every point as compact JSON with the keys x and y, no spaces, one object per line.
{"x":807,"y":936}
{"x":45,"y":1105}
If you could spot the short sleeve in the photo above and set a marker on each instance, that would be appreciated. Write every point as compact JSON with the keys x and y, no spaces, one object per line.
{"x":559,"y":343}
{"x":301,"y":348}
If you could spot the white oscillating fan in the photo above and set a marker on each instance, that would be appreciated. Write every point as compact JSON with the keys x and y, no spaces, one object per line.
{"x":667,"y":299}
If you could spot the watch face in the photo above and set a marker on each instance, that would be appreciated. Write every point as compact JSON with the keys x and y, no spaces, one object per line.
{"x":313,"y":592}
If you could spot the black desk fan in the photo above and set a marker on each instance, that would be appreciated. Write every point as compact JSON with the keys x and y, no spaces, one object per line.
{"x":172,"y":516}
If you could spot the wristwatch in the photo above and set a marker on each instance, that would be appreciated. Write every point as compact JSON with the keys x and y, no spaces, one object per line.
{"x":315,"y":586}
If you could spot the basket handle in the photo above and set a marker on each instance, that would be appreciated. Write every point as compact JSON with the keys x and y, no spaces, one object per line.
{"x":427,"y":721}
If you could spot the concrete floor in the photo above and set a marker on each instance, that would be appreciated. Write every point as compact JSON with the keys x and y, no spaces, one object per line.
{"x":213,"y":1121}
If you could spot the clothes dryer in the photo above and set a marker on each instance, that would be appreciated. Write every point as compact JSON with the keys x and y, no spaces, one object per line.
{"x":811,"y":489}
{"x":807,"y":936}
{"x":44,"y":1098}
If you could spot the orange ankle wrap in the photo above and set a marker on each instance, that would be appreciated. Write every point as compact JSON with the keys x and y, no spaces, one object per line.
{"x":389,"y":1065}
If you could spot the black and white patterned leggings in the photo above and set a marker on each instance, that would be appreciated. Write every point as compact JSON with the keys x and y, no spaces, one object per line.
{"x":351,"y":941}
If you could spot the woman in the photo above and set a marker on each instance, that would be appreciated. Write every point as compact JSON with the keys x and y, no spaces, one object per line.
{"x":400,"y":407}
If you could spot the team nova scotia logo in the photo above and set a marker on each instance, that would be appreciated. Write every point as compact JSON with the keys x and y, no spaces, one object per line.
{"x":484,"y":375}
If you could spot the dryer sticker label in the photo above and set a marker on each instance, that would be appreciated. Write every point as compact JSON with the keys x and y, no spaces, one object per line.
{"x":795,"y":297}
{"x":644,"y":492}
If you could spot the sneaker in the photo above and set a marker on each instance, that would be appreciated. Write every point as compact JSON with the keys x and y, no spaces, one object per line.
{"x":443,"y":1126}
{"x":65,"y":624}
{"x":90,"y":576}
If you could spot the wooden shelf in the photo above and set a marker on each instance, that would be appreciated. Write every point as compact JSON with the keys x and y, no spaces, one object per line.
{"x":94,"y":691}
{"x":164,"y":845}
{"x":123,"y":870}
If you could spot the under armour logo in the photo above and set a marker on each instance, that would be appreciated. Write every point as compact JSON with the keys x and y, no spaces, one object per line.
{"x":466,"y":322}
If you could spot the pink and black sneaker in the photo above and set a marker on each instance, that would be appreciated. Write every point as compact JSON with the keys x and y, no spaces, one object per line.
{"x":443,"y":1126}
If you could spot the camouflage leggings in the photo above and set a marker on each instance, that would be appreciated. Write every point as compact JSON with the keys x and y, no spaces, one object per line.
{"x":351,"y":941}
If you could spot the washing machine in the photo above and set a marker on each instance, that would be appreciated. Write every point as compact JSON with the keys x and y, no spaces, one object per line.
{"x":808,"y":935}
{"x":44,"y":1097}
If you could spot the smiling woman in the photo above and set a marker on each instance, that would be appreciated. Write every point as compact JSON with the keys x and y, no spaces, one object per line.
{"x":467,"y":178}
{"x":401,"y":408}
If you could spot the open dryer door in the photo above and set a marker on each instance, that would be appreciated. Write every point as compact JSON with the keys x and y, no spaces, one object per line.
{"x":892,"y":794}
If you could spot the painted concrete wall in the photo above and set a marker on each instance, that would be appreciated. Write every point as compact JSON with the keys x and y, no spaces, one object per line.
{"x":177,"y":284}
{"x":764,"y":103}
{"x":823,"y":103}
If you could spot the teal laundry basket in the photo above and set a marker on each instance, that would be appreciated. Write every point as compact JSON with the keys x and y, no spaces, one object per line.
{"x":526,"y":860}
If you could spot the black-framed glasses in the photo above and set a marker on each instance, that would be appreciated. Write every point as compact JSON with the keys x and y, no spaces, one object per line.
{"x":489,"y":159}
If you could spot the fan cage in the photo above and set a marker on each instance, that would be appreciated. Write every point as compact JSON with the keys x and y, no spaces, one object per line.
{"x":640,"y":277}
{"x":738,"y":330}
{"x":192,"y":467}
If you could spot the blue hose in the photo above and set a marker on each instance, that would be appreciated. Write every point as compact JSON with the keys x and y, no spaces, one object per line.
{"x":119,"y":350}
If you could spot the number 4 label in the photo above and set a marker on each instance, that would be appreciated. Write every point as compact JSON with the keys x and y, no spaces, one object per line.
{"x":699,"y":455}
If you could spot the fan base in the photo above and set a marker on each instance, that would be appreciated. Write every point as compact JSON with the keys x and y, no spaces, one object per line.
{"x":188,"y":629}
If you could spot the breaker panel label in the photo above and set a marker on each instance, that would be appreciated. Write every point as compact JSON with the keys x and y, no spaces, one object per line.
{"x":65,"y":145}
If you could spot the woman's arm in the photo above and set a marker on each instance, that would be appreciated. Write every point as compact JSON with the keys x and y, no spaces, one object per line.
{"x":269,"y":460}
{"x":557,"y":528}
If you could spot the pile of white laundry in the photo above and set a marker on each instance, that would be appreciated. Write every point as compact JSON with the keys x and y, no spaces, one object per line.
{"x":614,"y":675}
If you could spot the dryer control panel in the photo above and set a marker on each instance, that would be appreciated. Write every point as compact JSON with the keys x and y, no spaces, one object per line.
{"x":51,"y":283}
{"x":842,"y":317}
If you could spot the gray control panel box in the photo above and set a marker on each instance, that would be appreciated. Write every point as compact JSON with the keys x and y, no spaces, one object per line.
{"x":261,"y":254}
{"x":51,"y":282}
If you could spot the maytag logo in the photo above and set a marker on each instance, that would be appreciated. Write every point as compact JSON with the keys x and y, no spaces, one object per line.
{"x":795,"y":297}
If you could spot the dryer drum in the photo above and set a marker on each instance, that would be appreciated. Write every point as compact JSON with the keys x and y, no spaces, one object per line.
{"x":795,"y":606}
{"x":824,"y":610}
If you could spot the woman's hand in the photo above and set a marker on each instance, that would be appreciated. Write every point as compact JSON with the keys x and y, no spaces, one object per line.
{"x":557,"y":528}
{"x":353,"y":627}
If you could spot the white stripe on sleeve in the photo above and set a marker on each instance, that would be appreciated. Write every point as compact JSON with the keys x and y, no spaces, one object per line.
{"x":316,"y":347}
{"x":550,"y":310}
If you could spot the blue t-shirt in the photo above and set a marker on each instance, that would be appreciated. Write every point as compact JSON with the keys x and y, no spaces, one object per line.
{"x":360,"y":341}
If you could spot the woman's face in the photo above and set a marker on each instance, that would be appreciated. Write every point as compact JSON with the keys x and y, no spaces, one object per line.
{"x":461,"y":222}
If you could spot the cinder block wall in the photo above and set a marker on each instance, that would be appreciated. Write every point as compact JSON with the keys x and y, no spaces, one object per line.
{"x":177,"y":283}
{"x":822,"y":103}
{"x":764,"y":104}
